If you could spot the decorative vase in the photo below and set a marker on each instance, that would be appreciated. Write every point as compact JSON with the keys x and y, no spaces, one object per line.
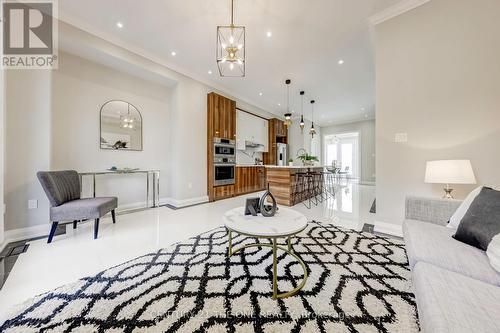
{"x":265,"y":209}
{"x":290,"y":163}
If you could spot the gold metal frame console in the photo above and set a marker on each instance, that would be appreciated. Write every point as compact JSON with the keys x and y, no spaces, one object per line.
{"x":274,"y":245}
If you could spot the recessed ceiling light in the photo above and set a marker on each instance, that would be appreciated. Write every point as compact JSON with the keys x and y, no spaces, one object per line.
{"x":293,"y":111}
{"x":340,"y":62}
{"x":260,"y":94}
{"x":173,"y":53}
{"x":279,"y":104}
{"x":119,"y":25}
{"x":362,"y":109}
{"x":209,"y":71}
{"x":269,"y":34}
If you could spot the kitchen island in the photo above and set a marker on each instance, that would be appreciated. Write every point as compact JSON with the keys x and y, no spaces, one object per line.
{"x":281,"y":180}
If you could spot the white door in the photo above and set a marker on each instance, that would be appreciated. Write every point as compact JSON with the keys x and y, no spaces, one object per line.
{"x":342,"y":150}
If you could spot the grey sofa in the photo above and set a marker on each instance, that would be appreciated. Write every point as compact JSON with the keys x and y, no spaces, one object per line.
{"x":456,"y":289}
{"x":63,"y":190}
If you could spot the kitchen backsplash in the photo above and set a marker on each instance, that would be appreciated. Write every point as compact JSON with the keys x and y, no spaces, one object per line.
{"x":246,"y":157}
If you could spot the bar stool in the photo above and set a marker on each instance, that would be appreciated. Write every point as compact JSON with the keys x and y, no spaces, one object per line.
{"x":298,"y":188}
{"x":308,"y":193}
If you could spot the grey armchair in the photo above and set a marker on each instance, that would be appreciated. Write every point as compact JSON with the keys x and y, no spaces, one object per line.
{"x":63,"y":190}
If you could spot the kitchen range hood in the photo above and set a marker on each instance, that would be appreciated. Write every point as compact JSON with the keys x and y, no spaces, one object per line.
{"x":252,"y":144}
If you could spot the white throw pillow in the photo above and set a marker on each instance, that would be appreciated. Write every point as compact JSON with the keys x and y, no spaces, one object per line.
{"x":457,"y":217}
{"x":493,"y":253}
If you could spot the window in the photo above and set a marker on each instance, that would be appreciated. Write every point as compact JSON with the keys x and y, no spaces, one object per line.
{"x":342,"y":150}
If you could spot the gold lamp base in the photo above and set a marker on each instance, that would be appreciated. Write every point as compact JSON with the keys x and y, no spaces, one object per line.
{"x":447,"y":191}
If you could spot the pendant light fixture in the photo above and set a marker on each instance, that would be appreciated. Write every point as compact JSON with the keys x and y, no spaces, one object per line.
{"x":231,"y":49}
{"x":302,"y":123}
{"x":127,"y":121}
{"x":312,"y":131}
{"x":288,"y":115}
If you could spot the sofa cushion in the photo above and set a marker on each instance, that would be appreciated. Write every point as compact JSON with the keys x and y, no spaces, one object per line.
{"x":433,"y":244}
{"x":448,"y":302}
{"x":459,"y":214}
{"x":90,"y":208}
{"x":493,"y":253}
{"x":482,"y":221}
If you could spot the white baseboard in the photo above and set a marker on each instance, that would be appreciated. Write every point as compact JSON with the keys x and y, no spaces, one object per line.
{"x":184,"y":202}
{"x":20,"y":234}
{"x":388,"y":228}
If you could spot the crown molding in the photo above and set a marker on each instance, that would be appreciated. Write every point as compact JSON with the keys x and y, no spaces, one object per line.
{"x":396,"y":10}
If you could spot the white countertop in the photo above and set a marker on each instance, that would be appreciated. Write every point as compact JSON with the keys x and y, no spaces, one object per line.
{"x":248,"y":165}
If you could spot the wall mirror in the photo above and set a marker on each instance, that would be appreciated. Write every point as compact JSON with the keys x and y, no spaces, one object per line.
{"x":121,"y":126}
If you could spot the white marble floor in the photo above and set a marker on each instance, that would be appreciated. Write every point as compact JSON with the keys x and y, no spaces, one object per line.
{"x":76,"y":254}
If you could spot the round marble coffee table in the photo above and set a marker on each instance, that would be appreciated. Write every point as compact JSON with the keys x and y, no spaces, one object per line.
{"x":285,"y":224}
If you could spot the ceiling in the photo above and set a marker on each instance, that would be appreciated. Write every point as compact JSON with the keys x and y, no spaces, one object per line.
{"x":308,"y":40}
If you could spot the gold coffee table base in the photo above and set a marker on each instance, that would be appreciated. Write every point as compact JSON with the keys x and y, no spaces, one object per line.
{"x":274,"y":247}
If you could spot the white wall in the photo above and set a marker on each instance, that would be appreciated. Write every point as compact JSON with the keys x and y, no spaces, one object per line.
{"x":438,"y":80}
{"x":2,"y":141}
{"x":79,"y":89}
{"x":366,"y":130}
{"x":53,"y":123}
{"x":298,"y":140}
{"x":27,"y":147}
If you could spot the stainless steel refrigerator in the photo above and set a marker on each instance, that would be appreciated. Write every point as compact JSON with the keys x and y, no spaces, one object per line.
{"x":281,"y":154}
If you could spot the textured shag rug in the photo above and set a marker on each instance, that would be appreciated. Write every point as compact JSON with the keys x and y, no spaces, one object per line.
{"x":358,"y":282}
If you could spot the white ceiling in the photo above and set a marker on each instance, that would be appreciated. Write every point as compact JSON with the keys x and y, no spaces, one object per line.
{"x":308,"y":39}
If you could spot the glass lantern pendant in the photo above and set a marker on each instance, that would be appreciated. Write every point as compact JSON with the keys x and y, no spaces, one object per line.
{"x":231,"y":49}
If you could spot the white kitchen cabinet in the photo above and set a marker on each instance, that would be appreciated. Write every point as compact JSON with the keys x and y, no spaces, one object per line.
{"x":251,"y":128}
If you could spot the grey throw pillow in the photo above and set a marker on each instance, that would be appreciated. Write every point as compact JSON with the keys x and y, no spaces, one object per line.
{"x":482,"y":221}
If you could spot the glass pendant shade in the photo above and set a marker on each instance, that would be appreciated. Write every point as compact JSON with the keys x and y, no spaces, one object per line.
{"x":302,"y":124}
{"x":312,"y":131}
{"x":231,"y":49}
{"x":288,"y":115}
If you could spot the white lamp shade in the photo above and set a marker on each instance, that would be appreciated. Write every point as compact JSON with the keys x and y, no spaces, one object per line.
{"x":449,"y":172}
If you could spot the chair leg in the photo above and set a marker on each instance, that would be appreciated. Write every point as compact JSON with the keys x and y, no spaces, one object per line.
{"x":96,"y":228}
{"x":113,"y":216}
{"x":74,"y":224}
{"x":52,"y":232}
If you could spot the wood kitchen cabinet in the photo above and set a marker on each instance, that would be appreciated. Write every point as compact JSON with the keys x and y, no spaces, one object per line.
{"x":221,"y":123}
{"x":249,"y":179}
{"x":223,"y":192}
{"x":222,"y":116}
{"x":278,"y":133}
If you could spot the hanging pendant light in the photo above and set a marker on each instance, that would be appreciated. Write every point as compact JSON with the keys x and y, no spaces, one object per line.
{"x":231,"y":49}
{"x":127,"y":121}
{"x":312,"y":131}
{"x":288,"y":115}
{"x":302,"y":123}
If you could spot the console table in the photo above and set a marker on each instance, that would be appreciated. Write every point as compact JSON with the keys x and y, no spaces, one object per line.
{"x":155,"y":174}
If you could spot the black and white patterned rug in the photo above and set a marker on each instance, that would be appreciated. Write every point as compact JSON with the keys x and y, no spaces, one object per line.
{"x":358,"y":282}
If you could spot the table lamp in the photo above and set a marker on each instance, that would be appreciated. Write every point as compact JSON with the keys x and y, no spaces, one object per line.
{"x":449,"y":172}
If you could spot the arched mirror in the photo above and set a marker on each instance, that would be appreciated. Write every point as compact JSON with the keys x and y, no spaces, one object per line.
{"x":121,"y":126}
